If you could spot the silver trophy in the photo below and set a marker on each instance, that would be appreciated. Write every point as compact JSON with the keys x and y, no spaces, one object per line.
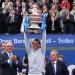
{"x":34,"y":22}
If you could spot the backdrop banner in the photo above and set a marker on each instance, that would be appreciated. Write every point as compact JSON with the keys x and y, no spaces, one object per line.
{"x":51,"y":40}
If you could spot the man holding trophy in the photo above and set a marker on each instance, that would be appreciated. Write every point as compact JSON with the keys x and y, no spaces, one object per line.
{"x":36,"y":51}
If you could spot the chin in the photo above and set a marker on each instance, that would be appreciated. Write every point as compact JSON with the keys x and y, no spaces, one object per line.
{"x":35,"y":48}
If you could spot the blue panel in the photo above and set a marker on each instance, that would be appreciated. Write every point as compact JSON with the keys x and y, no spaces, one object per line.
{"x":52,"y":40}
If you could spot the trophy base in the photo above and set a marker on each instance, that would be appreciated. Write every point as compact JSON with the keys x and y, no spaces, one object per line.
{"x":34,"y":31}
{"x":34,"y":28}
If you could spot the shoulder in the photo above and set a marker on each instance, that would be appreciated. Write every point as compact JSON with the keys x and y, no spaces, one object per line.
{"x":61,"y":62}
{"x":8,"y":16}
{"x":3,"y":3}
{"x":71,"y":15}
{"x":49,"y":63}
{"x":3,"y":54}
{"x":58,"y":60}
{"x":16,"y":16}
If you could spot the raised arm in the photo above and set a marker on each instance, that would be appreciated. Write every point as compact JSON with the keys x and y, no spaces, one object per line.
{"x":27,"y":45}
{"x":26,"y":24}
{"x":43,"y":43}
{"x":43,"y":29}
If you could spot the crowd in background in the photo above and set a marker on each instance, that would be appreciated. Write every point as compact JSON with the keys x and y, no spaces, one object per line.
{"x":60,"y":15}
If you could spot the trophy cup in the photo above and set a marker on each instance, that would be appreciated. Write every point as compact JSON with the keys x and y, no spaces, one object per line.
{"x":34,"y":22}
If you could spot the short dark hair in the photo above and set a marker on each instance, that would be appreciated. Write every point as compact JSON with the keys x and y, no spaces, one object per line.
{"x":61,"y":56}
{"x":37,"y":40}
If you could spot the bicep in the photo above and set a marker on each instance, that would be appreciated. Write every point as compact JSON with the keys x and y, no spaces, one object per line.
{"x":27,"y":45}
{"x":43,"y":43}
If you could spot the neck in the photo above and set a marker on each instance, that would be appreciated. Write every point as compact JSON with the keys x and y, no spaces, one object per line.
{"x":53,"y":60}
{"x":52,"y":16}
{"x":23,"y":7}
{"x":9,"y":52}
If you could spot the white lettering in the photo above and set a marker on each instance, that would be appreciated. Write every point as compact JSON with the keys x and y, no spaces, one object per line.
{"x":66,"y":40}
{"x":1,"y":40}
{"x":48,"y":41}
{"x":18,"y":41}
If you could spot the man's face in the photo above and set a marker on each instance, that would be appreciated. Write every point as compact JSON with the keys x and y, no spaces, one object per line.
{"x":56,"y":1}
{"x":6,"y":0}
{"x":35,"y":45}
{"x":53,"y":56}
{"x":9,"y":47}
{"x":67,"y":11}
{"x":3,"y":47}
{"x":11,"y":4}
{"x":43,"y":1}
{"x":12,"y":12}
{"x":23,"y":5}
{"x":30,"y":0}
